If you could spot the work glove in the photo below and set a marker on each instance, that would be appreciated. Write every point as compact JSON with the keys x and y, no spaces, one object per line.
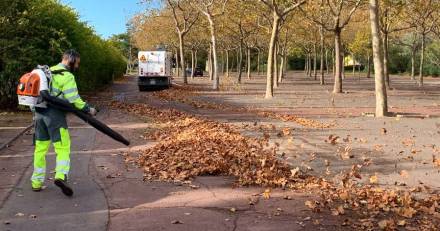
{"x":92,"y":111}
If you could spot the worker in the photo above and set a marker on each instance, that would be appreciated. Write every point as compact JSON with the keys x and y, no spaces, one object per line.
{"x":51,"y":124}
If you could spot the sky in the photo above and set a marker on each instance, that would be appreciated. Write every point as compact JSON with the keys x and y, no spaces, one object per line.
{"x":107,"y":17}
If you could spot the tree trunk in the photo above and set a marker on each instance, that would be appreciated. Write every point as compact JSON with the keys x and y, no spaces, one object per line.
{"x":321,"y":33}
{"x":223,"y":63}
{"x":240,"y":62}
{"x":413,"y":63}
{"x":211,"y":76}
{"x":327,"y":67}
{"x":227,"y":63}
{"x":422,"y":60}
{"x":343,"y":61}
{"x":177,"y":63}
{"x":281,"y":70}
{"x":315,"y":60}
{"x":216,"y":78}
{"x":333,"y":62}
{"x":413,"y":56}
{"x":285,"y":66}
{"x":275,"y":69}
{"x":369,"y":66}
{"x":182,"y":58}
{"x":379,"y":76}
{"x":192,"y":64}
{"x":354,"y":64}
{"x":306,"y":64}
{"x":273,"y":39}
{"x":248,"y":56}
{"x":385,"y":60}
{"x":337,"y":88}
{"x":258,"y":61}
{"x":310,"y":65}
{"x":195,"y":59}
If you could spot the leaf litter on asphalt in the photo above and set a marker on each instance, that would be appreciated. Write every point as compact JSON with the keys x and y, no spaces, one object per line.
{"x":189,"y":146}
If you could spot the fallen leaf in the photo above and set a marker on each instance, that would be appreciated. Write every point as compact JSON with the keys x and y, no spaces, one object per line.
{"x":341,"y":209}
{"x":373,"y":179}
{"x":294,"y":171}
{"x":266,"y":193}
{"x":343,"y":195}
{"x":404,"y":174}
{"x":407,"y":212}
{"x":310,"y":204}
{"x":401,"y":223}
{"x":383,"y":224}
{"x":332,"y":139}
{"x":435,"y":161}
{"x":286,"y":131}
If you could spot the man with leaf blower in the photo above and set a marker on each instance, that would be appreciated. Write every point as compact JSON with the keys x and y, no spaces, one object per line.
{"x":51,"y":124}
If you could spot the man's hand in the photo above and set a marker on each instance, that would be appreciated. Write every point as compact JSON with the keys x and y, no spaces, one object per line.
{"x":92,"y":111}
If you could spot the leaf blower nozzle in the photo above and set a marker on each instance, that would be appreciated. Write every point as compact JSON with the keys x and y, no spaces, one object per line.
{"x":67,"y":107}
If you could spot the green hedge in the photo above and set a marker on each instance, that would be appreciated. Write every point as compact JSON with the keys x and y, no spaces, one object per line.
{"x":37,"y":32}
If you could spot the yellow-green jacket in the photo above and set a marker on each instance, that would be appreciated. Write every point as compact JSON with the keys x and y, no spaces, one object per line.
{"x":63,"y":85}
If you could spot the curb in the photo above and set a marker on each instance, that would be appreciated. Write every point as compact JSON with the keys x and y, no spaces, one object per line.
{"x":5,"y":145}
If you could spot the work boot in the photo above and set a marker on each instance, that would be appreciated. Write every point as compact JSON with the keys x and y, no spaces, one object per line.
{"x":65,"y":188}
{"x":36,"y":187}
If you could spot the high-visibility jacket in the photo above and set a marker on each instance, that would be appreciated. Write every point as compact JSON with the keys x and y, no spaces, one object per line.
{"x":63,"y":85}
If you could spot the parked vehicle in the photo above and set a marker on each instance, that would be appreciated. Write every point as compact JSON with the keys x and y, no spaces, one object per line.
{"x":197,"y":72}
{"x":154,"y":70}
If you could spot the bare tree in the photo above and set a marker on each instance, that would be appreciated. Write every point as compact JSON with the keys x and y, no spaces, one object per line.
{"x":212,"y":9}
{"x":279,"y":9}
{"x":412,"y":42}
{"x":391,"y":22}
{"x":334,"y":16}
{"x":423,"y":15}
{"x":184,"y":18}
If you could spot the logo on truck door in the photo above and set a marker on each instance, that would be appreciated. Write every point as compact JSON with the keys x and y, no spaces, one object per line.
{"x":143,"y":59}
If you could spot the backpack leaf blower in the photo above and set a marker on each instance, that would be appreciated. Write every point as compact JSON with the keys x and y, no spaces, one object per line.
{"x":33,"y":90}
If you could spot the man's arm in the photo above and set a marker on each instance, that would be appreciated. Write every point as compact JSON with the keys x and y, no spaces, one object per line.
{"x":70,"y":91}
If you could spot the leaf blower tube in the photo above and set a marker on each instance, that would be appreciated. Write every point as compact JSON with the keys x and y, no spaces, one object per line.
{"x":66,"y":106}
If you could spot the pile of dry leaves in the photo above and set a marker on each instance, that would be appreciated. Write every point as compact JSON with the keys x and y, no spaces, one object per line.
{"x":189,"y":146}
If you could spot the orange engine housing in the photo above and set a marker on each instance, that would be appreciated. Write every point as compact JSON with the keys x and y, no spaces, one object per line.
{"x":29,"y":85}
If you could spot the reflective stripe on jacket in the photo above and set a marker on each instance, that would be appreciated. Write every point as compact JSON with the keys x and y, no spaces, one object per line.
{"x":63,"y":85}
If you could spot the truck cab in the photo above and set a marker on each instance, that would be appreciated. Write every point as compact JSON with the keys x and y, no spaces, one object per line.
{"x":154,"y":70}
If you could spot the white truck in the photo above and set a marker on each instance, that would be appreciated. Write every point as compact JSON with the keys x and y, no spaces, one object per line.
{"x":154,"y":70}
